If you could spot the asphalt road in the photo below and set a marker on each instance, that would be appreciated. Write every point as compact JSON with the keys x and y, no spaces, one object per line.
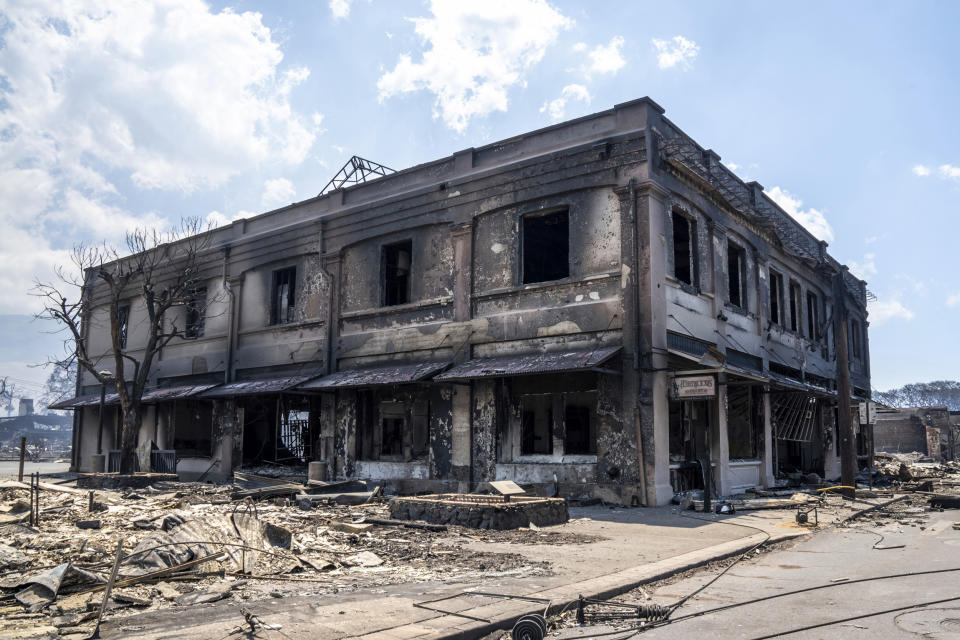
{"x":835,"y":557}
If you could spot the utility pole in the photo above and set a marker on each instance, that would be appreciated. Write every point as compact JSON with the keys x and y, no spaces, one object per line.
{"x":845,"y":427}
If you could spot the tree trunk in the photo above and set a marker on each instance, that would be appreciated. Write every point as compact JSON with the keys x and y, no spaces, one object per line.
{"x":128,"y":440}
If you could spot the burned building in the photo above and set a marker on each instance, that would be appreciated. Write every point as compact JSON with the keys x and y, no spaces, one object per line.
{"x":930,"y":431}
{"x":599,"y":307}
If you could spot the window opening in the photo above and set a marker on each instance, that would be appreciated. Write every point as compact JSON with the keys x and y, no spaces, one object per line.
{"x":196,"y":312}
{"x":813,"y":316}
{"x":684,"y":249}
{"x":736,"y":275}
{"x":578,"y":430}
{"x":741,"y":422}
{"x":193,"y":428}
{"x":855,"y":337}
{"x":536,"y":432}
{"x":776,"y":297}
{"x":396,"y":260}
{"x":283,"y":301}
{"x":123,"y":323}
{"x":795,"y":302}
{"x":546,"y":247}
{"x":391,"y":436}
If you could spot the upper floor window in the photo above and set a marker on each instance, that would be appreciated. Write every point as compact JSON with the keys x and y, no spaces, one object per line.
{"x":684,"y":249}
{"x":123,"y":323}
{"x":855,"y":339}
{"x":736,"y":275}
{"x":546,"y":247}
{"x":396,"y":260}
{"x":796,"y":303}
{"x":813,"y":316}
{"x":776,"y":298}
{"x":283,"y":295}
{"x":196,"y":313}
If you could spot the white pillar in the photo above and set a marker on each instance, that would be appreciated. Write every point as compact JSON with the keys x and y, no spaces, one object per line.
{"x":720,"y":446}
{"x":768,"y":442}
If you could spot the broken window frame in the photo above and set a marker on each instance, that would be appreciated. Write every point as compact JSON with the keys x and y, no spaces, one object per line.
{"x":685,"y":262}
{"x":776,"y":298}
{"x":283,"y":295}
{"x":553,"y":399}
{"x":395,"y":279}
{"x":813,"y":316}
{"x":123,"y":324}
{"x":796,"y":307}
{"x":195,"y":313}
{"x":534,"y":244}
{"x":737,"y":266}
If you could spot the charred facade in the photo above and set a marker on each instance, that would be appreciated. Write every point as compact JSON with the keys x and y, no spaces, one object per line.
{"x":595,"y":308}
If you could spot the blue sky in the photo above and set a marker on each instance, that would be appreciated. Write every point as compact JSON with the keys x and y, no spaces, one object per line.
{"x":115,"y":115}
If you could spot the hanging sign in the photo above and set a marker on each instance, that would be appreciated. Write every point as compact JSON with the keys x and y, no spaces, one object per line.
{"x":694,"y":387}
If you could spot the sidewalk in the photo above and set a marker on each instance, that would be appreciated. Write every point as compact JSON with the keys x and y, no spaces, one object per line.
{"x":611,"y":552}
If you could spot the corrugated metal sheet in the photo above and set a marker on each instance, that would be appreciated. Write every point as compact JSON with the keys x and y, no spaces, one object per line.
{"x":165,"y":394}
{"x":550,"y":362}
{"x":398,"y":374}
{"x":92,"y":400}
{"x":253,"y":387}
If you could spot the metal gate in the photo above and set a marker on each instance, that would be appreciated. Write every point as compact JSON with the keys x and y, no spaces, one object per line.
{"x":794,"y":416}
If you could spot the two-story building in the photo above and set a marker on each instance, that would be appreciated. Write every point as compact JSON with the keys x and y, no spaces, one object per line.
{"x":599,"y":307}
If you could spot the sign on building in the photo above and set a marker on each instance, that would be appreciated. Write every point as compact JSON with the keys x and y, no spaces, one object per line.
{"x":688,"y":387}
{"x":868,"y":413}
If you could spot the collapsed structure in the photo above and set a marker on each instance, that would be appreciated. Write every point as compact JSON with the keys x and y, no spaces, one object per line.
{"x":596,"y":308}
{"x":931,"y":431}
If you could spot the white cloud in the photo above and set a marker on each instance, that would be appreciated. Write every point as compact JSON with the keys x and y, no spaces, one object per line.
{"x":277,"y":192}
{"x":870,"y":239}
{"x":881,"y":311}
{"x":340,"y":8}
{"x":607,"y":58}
{"x":864,"y":269}
{"x":677,"y":51}
{"x":557,"y":107}
{"x":920,"y":170}
{"x":953,"y":300}
{"x":733,"y":166}
{"x":168,"y":95}
{"x":813,"y":220}
{"x":217,"y":219}
{"x":949,"y":171}
{"x":473,"y":53}
{"x":580,"y":46}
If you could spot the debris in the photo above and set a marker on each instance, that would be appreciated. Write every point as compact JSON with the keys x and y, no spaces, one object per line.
{"x":350,"y":527}
{"x":364,"y":559}
{"x":88,"y":524}
{"x":945,"y":502}
{"x":387,"y":522}
{"x":218,"y":592}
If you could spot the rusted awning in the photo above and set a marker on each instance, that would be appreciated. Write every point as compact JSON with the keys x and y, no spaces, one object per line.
{"x":165,"y":394}
{"x":91,"y":400}
{"x":255,"y":387}
{"x":533,"y":363}
{"x":375,"y":376}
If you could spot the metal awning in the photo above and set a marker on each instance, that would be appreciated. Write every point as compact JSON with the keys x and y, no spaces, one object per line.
{"x":255,"y":387}
{"x":91,"y":400}
{"x":549,"y":362}
{"x":373,"y":376}
{"x":165,"y":394}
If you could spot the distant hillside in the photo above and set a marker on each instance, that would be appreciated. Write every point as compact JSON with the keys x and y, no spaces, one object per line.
{"x":940,"y":393}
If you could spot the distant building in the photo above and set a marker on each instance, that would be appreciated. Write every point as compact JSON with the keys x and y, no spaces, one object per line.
{"x":26,"y":407}
{"x":599,"y":307}
{"x":932,"y":431}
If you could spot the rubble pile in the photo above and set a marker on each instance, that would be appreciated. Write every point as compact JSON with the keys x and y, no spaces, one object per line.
{"x":904,"y":470}
{"x":186,"y":544}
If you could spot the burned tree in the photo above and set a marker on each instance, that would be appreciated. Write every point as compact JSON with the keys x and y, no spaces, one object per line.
{"x":157,"y":272}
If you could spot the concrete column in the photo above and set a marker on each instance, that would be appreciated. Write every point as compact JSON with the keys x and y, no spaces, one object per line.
{"x":484,"y":431}
{"x":720,"y":446}
{"x":460,"y":440}
{"x":463,"y":271}
{"x":768,"y":442}
{"x":345,"y":438}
